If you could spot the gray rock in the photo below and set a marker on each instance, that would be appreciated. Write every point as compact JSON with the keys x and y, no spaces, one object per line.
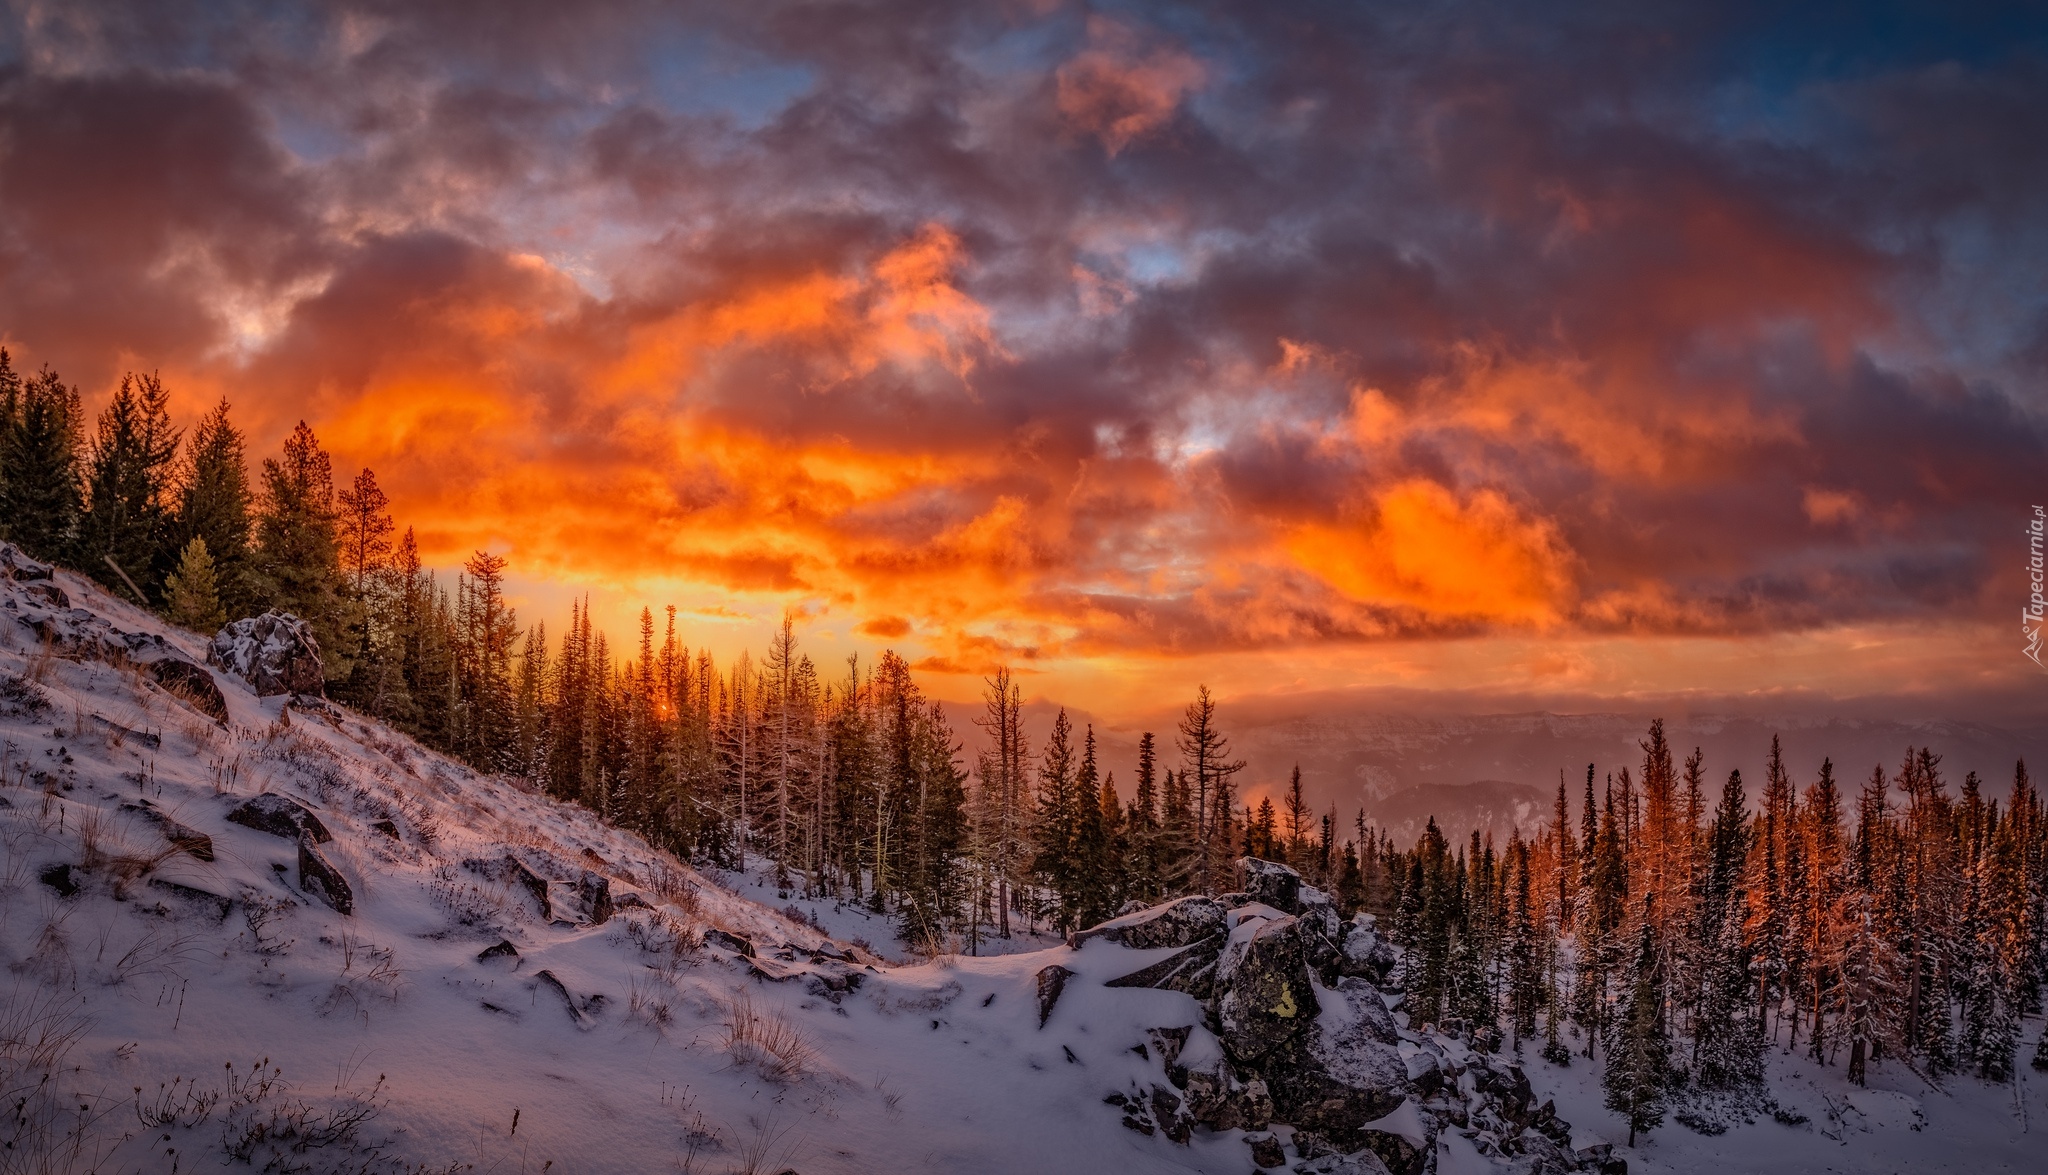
{"x":1192,"y":970}
{"x":1051,"y":982}
{"x":546,"y":980}
{"x":188,"y":840}
{"x":1271,"y":883}
{"x":1265,"y":995}
{"x":17,"y":566}
{"x":1322,"y":934}
{"x":1336,"y":1083}
{"x":738,"y":945}
{"x":1178,"y":923}
{"x":275,"y":653}
{"x":192,"y":682}
{"x":1365,"y":954}
{"x":319,"y":878}
{"x":502,"y":949}
{"x":1266,"y":1150}
{"x":279,"y":816}
{"x":585,"y":902}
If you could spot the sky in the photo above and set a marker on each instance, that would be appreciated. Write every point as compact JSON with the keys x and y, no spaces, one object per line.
{"x":1588,"y":353}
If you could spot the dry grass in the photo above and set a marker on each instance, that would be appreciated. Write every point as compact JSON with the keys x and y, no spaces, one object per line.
{"x":766,"y":1038}
{"x":674,"y":886}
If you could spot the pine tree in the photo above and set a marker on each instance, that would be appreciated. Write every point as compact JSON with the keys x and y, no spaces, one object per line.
{"x":1638,"y":1062}
{"x":191,"y":595}
{"x":213,"y":505}
{"x":1205,"y":752}
{"x":125,"y":526}
{"x":298,"y":562}
{"x":40,"y":447}
{"x":1057,"y":819}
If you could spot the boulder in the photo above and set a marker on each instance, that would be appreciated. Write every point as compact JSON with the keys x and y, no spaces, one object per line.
{"x":319,"y":878}
{"x":1364,"y":953}
{"x":1266,"y":1149}
{"x":279,"y":816}
{"x":275,"y":653}
{"x":1178,"y":923}
{"x":738,"y":945}
{"x":546,"y":981}
{"x":502,"y":949}
{"x":1337,"y":1080}
{"x":1401,"y":1139}
{"x":17,"y":566}
{"x":192,"y":682}
{"x":1271,"y":883}
{"x":585,"y":902}
{"x":1191,"y":970}
{"x":1265,"y":995}
{"x":1051,"y":982}
{"x":1322,"y":934}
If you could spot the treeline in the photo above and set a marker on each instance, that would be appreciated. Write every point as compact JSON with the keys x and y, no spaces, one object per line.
{"x":849,"y":782}
{"x":1685,"y":931}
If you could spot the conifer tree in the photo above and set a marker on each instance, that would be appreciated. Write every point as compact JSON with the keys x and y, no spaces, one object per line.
{"x":213,"y":503}
{"x":1058,"y":816}
{"x":1205,"y":752}
{"x":298,"y":555}
{"x":191,"y":594}
{"x":1638,"y":1062}
{"x":40,"y":447}
{"x":124,"y":530}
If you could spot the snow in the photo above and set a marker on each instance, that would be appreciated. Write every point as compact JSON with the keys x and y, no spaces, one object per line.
{"x":1899,"y":1124}
{"x":666,"y":1056}
{"x":1404,"y":1122}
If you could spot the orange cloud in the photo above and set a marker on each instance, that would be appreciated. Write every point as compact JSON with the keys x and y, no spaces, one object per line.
{"x":1422,"y":547}
{"x":1120,"y":92}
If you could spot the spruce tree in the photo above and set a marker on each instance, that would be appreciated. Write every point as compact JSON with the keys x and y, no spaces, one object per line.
{"x":212,"y":505}
{"x":298,"y":555}
{"x":191,"y":592}
{"x":40,"y":496}
{"x":1638,"y":1061}
{"x":1057,"y":818}
{"x":124,"y":530}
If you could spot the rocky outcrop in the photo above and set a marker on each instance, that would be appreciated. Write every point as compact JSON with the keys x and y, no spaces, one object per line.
{"x":44,"y":609}
{"x":1178,"y":923}
{"x":15,"y":565}
{"x":279,"y":816}
{"x":1271,"y":884}
{"x":1297,"y":1030}
{"x":1265,"y":996}
{"x":275,"y":653}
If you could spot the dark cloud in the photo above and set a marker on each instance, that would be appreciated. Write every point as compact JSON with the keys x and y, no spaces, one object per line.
{"x":1160,"y":328}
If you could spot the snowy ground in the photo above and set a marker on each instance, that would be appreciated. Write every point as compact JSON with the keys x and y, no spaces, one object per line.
{"x":182,"y":1035}
{"x":1898,"y":1124}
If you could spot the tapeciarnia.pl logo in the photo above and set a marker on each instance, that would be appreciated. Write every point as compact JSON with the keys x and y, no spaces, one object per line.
{"x":2036,"y":610}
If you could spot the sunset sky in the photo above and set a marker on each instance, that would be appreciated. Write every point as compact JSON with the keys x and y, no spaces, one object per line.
{"x":1287,"y":347}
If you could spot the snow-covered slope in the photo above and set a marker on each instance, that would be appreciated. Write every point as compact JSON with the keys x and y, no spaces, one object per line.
{"x":166,"y":973}
{"x":193,"y":999}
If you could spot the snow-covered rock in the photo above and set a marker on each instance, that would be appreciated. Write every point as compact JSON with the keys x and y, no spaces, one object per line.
{"x":275,"y":653}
